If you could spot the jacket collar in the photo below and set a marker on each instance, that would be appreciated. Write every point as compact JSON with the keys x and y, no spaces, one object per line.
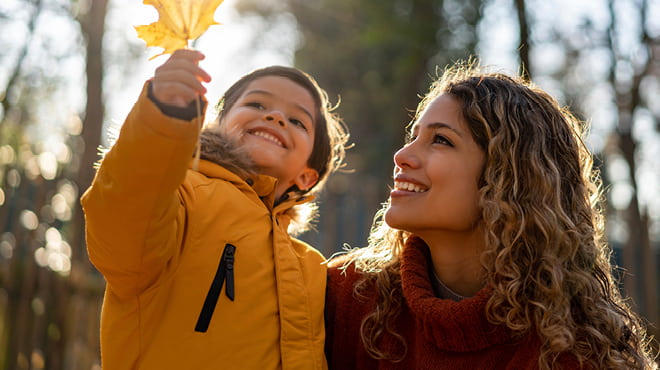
{"x":223,"y":158}
{"x":262,"y":185}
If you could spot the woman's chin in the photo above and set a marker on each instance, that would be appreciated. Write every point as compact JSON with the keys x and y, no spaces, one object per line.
{"x":393,"y":220}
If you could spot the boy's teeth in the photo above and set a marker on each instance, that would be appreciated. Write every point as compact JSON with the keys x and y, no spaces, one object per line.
{"x":269,"y":137}
{"x":408,"y":186}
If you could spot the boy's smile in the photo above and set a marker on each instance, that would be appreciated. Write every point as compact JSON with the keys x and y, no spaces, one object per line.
{"x":274,"y":121}
{"x":268,"y":135}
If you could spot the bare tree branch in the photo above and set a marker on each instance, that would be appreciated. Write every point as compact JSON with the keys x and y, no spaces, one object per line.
{"x":16,"y":73}
{"x":523,"y":48}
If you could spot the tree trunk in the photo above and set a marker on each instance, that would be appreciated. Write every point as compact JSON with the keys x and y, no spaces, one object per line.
{"x":640,"y":280}
{"x":82,"y":299}
{"x":523,"y":48}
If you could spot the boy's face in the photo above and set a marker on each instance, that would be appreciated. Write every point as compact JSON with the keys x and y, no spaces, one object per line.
{"x":274,"y":120}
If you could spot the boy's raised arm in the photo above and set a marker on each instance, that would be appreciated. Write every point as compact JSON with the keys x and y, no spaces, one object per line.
{"x":132,"y":212}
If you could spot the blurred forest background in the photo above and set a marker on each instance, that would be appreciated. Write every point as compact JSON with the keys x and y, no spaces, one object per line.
{"x":68,"y":70}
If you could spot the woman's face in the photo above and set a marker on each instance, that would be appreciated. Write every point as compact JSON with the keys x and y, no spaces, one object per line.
{"x":435,"y":186}
{"x":274,"y":119}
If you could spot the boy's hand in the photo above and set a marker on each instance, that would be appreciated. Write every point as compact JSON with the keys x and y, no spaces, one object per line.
{"x":179,"y":80}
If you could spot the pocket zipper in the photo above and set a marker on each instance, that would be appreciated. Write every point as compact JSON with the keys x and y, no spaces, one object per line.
{"x":224,"y":273}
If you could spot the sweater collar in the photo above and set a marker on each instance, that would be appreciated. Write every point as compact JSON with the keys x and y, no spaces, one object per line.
{"x":452,"y":326}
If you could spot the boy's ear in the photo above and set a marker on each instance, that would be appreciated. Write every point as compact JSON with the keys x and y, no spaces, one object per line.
{"x":306,"y":178}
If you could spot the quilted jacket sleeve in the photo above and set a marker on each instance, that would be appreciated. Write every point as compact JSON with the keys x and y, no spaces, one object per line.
{"x":134,"y":218}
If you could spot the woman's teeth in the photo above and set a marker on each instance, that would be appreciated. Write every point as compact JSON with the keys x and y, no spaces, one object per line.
{"x":409,"y":186}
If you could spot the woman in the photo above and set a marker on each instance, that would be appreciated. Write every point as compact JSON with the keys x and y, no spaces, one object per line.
{"x":490,"y":251}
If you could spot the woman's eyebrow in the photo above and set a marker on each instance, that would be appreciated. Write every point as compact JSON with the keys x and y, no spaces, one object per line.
{"x":264,"y":92}
{"x":435,"y":126}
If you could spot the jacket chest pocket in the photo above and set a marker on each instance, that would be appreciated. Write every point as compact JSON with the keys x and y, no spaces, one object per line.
{"x":224,"y":275}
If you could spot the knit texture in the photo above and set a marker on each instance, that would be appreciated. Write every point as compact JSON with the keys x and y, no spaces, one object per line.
{"x":439,"y":333}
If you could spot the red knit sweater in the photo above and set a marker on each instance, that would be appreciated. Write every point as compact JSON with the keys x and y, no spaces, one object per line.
{"x":439,"y":334}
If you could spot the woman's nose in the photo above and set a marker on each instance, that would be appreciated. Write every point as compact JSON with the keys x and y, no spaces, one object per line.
{"x":407,"y":157}
{"x":276,"y":116}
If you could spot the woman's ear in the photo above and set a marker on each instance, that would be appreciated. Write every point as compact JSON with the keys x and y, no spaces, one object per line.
{"x":306,"y":179}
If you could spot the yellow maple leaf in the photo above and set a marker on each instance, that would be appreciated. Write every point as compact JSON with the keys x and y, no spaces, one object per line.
{"x":179,"y":21}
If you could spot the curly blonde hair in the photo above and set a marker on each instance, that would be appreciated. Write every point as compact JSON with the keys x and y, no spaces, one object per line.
{"x":545,"y":255}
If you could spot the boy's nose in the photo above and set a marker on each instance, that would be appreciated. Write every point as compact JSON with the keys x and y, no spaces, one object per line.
{"x":277,"y":117}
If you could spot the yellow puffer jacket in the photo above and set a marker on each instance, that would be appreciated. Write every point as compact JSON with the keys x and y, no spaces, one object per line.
{"x":200,"y":270}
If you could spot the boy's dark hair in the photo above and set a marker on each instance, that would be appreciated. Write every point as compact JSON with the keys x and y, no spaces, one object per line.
{"x":330,"y":134}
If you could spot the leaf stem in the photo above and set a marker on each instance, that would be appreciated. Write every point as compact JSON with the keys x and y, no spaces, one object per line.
{"x":200,"y":120}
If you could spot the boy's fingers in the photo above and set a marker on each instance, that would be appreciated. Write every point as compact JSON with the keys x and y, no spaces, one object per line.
{"x":203,"y":75}
{"x":184,"y":64}
{"x":181,"y":68}
{"x":174,"y":93}
{"x":175,"y":77}
{"x":192,"y":55}
{"x":173,"y":87}
{"x":179,"y":80}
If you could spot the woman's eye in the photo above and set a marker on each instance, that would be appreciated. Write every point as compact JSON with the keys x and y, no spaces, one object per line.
{"x":439,"y":139}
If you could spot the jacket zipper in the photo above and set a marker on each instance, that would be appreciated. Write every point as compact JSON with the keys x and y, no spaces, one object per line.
{"x":224,"y":273}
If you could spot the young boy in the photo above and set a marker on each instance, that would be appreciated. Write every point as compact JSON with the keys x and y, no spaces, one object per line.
{"x":201,"y":271}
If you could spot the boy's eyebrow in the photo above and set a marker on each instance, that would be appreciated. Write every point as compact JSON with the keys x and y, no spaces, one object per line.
{"x":435,"y":126}
{"x":264,"y":92}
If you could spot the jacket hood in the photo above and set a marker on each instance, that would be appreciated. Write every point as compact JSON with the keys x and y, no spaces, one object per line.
{"x":221,"y":150}
{"x":226,"y":152}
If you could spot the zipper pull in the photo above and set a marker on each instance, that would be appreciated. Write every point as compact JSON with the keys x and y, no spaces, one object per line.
{"x":228,"y":257}
{"x":224,"y":273}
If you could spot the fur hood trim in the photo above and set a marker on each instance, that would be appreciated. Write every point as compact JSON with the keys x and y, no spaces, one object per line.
{"x":219,"y":149}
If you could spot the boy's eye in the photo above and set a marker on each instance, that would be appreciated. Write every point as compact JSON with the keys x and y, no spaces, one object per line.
{"x":298,"y":123}
{"x":254,"y":105}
